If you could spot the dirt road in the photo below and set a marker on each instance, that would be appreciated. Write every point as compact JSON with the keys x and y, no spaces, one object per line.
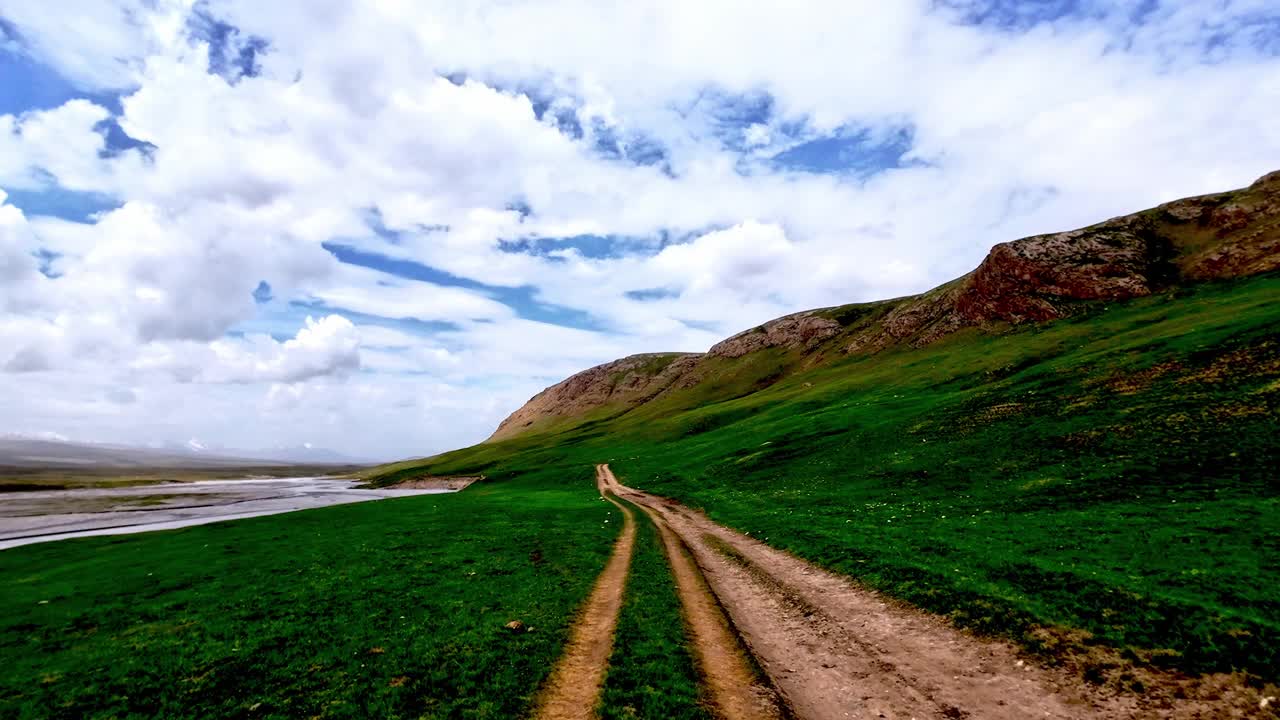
{"x":833,"y":649}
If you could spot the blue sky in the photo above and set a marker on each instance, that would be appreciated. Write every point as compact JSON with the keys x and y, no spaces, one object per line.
{"x":32,"y":85}
{"x":380,"y":228}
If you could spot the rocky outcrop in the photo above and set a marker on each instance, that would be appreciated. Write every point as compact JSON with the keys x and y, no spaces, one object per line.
{"x":1030,"y":280}
{"x":629,"y":381}
{"x":801,"y":330}
{"x":916,"y":320}
{"x":1238,"y":233}
{"x":1035,"y":279}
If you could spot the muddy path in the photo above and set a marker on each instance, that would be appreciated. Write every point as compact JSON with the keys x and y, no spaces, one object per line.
{"x":833,"y":649}
{"x":572,"y":691}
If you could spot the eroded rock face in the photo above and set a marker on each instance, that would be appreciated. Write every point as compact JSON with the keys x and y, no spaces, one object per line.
{"x":1031,"y":279}
{"x":916,"y":320}
{"x":805,"y":330}
{"x":1240,"y":231}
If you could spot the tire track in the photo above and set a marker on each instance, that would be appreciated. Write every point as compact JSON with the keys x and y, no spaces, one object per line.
{"x":573,"y":690}
{"x":735,"y":688}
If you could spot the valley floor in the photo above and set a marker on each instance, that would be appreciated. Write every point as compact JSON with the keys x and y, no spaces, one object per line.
{"x":555,"y":605}
{"x":1100,"y":493}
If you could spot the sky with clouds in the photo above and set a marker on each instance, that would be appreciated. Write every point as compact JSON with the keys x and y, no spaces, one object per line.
{"x":380,"y":226}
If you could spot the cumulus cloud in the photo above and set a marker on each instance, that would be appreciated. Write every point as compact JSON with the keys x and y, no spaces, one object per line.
{"x":97,"y":44}
{"x":59,"y":146}
{"x":329,"y":346}
{"x":455,"y":147}
{"x":323,"y":347}
{"x":739,"y":259}
{"x":21,"y":283}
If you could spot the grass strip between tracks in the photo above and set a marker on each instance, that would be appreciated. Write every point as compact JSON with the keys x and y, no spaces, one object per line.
{"x":651,"y":672}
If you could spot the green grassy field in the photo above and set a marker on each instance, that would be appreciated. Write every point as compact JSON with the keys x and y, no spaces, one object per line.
{"x":392,"y":609}
{"x":1109,"y":480}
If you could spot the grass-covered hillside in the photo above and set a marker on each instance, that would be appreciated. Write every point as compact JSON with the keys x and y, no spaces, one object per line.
{"x":1105,"y":480}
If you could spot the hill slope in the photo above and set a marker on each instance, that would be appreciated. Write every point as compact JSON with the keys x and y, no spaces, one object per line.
{"x":1100,"y":488}
{"x":1035,"y":279}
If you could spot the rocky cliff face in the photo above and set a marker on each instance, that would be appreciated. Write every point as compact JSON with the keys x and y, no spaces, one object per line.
{"x":1215,"y":236}
{"x":1035,"y":279}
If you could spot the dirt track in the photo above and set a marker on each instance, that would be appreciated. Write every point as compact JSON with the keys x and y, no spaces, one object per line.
{"x":835,"y":650}
{"x":574,"y":687}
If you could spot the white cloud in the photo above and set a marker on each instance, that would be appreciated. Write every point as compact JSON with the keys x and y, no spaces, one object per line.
{"x":59,"y":146}
{"x":323,"y":347}
{"x":757,"y":134}
{"x":97,"y":44}
{"x":22,"y":286}
{"x":1013,"y":131}
{"x":156,"y":274}
{"x":739,"y":259}
{"x":374,"y":293}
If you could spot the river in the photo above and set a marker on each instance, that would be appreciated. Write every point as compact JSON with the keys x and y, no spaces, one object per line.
{"x":41,"y":516}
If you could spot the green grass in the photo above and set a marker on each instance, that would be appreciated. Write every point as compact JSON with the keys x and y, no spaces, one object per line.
{"x":651,"y":671}
{"x":391,"y":609}
{"x":1112,"y":477}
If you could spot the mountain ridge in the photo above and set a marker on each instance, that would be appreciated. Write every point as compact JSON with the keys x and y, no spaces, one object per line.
{"x":51,"y":451}
{"x":1035,"y":279}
